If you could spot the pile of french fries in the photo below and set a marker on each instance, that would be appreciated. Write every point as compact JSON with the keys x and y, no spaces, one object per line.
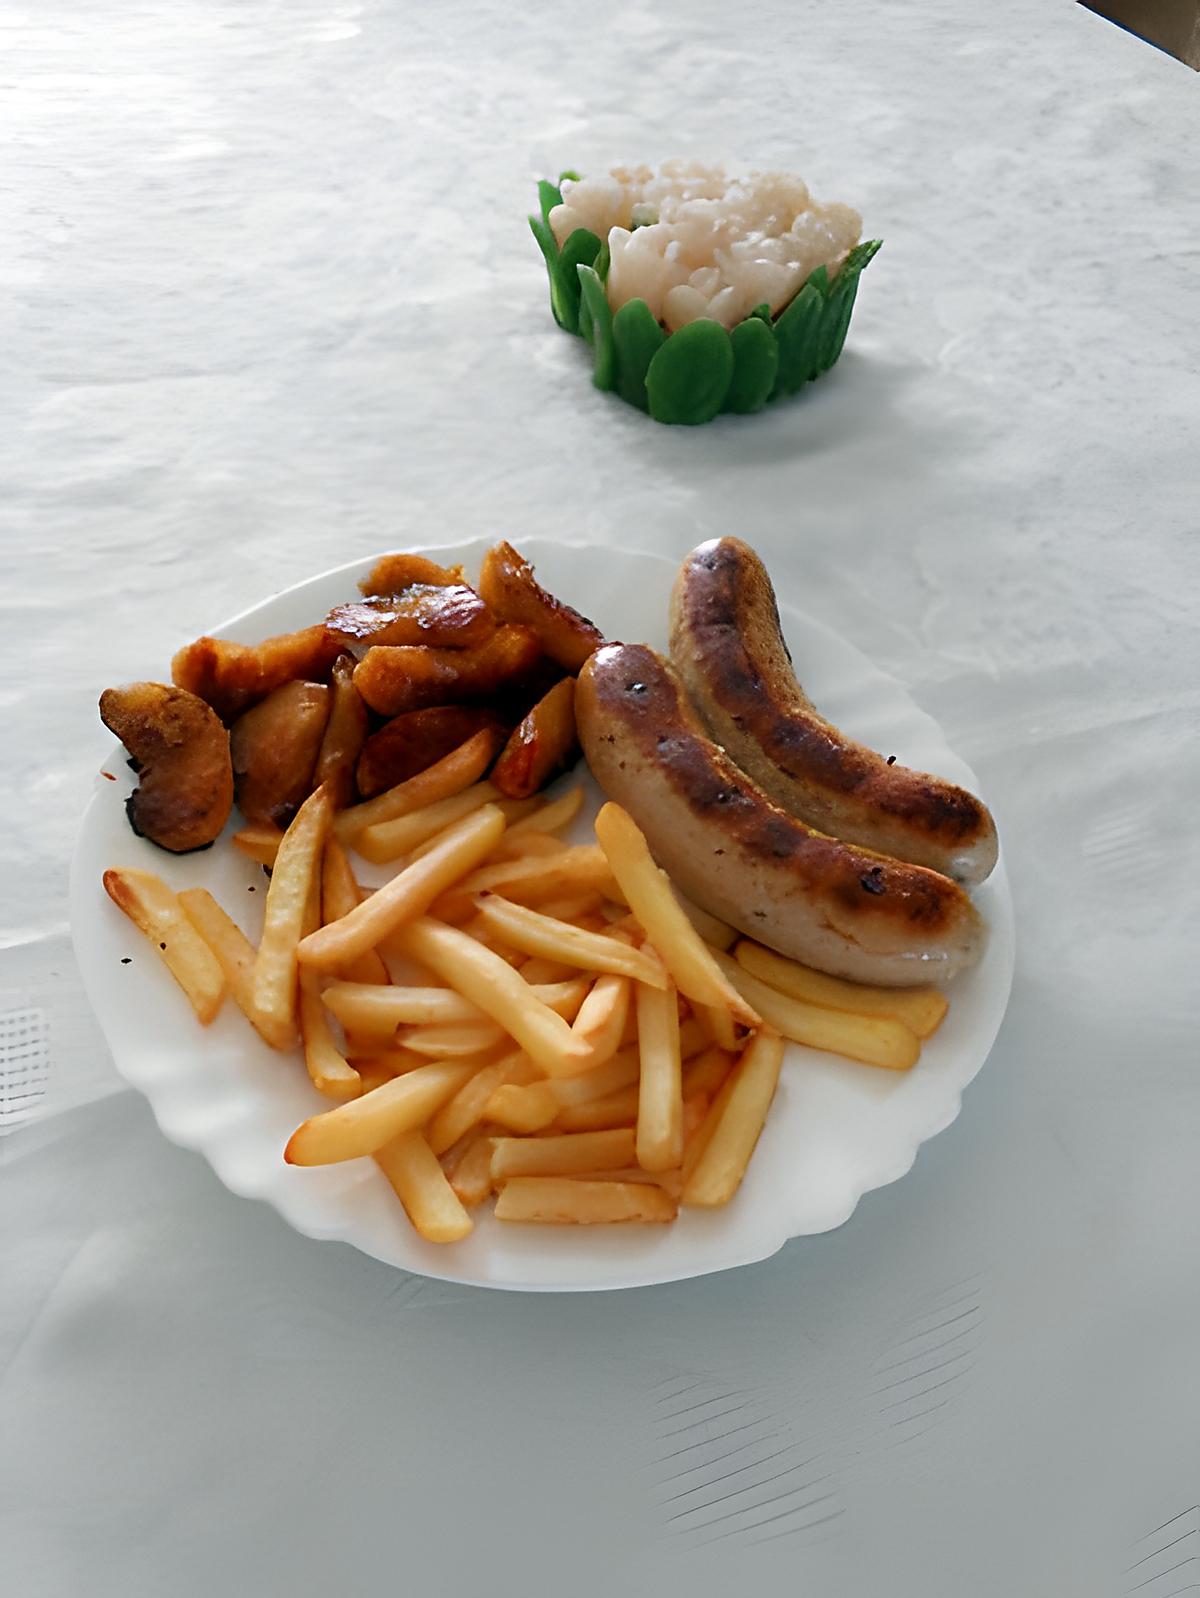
{"x":510,"y":1014}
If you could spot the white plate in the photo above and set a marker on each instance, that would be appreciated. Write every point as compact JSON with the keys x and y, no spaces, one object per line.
{"x":836,"y":1130}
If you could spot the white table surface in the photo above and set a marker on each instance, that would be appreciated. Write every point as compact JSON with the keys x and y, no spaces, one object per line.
{"x":269,"y":302}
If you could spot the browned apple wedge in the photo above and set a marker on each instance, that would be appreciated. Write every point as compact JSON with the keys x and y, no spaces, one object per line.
{"x":181,"y":752}
{"x":275,"y":747}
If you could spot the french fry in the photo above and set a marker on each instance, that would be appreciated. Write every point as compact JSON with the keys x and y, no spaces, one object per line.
{"x":919,"y":1009}
{"x":570,"y":1155}
{"x":233,"y":949}
{"x":534,"y":968}
{"x":541,"y":935}
{"x":482,"y":933}
{"x":447,"y":777}
{"x":561,"y":1201}
{"x":652,"y":900}
{"x":465,"y":1110}
{"x":471,"y":1178}
{"x":375,"y":1070}
{"x":718,"y":1025}
{"x":498,"y":990}
{"x":874,"y":1040}
{"x":704,"y":1075}
{"x":371,"y":1011}
{"x":600,"y":1080}
{"x":156,"y":912}
{"x":550,"y":817}
{"x":363,"y":1125}
{"x":388,"y":840}
{"x":408,"y":895}
{"x":340,"y":894}
{"x":614,"y":1109}
{"x":327,"y":1066}
{"x":522,"y":1107}
{"x":693,"y":1039}
{"x":718,"y":1172}
{"x":261,"y":842}
{"x":569,"y":871}
{"x":602,"y":1016}
{"x":452,"y":1040}
{"x":578,"y":911}
{"x":660,"y":1101}
{"x":525,"y":845}
{"x":292,"y":883}
{"x":669,"y":1181}
{"x":420,"y":1184}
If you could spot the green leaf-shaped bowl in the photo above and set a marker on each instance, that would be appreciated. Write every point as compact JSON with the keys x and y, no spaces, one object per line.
{"x":701,"y":371}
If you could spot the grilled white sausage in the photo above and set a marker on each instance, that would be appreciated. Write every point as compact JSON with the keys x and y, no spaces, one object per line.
{"x":835,"y":906}
{"x":727,"y":646}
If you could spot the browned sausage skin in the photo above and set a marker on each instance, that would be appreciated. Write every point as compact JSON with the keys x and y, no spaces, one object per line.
{"x":728,"y":647}
{"x":833,"y":905}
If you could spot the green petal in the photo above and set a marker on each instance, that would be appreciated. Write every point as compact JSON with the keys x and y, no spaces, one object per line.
{"x":688,"y":378}
{"x":549,"y":195}
{"x":797,"y":331}
{"x":594,"y":297}
{"x":637,"y":338}
{"x":836,"y":320}
{"x":543,"y":233}
{"x":581,"y":248}
{"x":755,"y":365}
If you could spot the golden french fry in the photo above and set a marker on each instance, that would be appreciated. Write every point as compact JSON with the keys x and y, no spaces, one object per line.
{"x":328,"y":1067}
{"x":602,"y":1016}
{"x":363,"y":1125}
{"x":715,"y":933}
{"x":498,"y":990}
{"x":420,"y":1184}
{"x":660,"y":1102}
{"x":522,"y":1107}
{"x":370,"y":1011}
{"x":482,"y":933}
{"x":538,"y":934}
{"x":527,"y":845}
{"x":614,"y":1109}
{"x":534,"y":969}
{"x":447,"y":777}
{"x":233,"y":949}
{"x":875,"y":1040}
{"x":717,"y":1174}
{"x":919,"y":1009}
{"x":452,"y":1040}
{"x":600,"y":1080}
{"x":156,"y":912}
{"x":652,"y":900}
{"x":510,"y":809}
{"x":550,"y":817}
{"x":390,"y":839}
{"x":465,"y":1110}
{"x":577,"y":910}
{"x":340,"y":894}
{"x":703,"y":1075}
{"x":718,"y":1025}
{"x":582,"y":869}
{"x":471,"y":1177}
{"x":670,"y":1181}
{"x":261,"y":842}
{"x":562,"y":1156}
{"x":292,"y":883}
{"x":562,"y":1201}
{"x":408,"y":895}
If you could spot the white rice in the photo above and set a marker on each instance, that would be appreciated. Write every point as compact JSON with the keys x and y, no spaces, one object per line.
{"x":706,"y":244}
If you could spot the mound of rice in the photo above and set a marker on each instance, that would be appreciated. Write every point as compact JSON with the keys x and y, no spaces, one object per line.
{"x":693,"y":242}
